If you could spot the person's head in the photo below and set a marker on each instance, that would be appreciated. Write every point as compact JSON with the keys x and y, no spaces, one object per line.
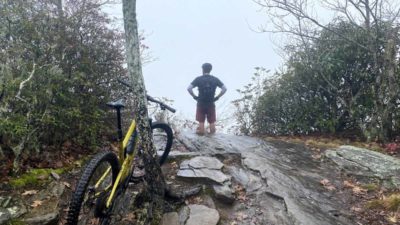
{"x":207,"y":67}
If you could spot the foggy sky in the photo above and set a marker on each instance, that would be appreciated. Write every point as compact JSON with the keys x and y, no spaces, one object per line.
{"x":183,"y":34}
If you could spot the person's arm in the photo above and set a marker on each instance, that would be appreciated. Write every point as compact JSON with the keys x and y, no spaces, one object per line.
{"x":190,"y":90}
{"x":223,"y":89}
{"x":222,"y":92}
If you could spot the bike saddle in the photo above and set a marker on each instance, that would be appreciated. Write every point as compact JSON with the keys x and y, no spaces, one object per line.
{"x":116,"y":104}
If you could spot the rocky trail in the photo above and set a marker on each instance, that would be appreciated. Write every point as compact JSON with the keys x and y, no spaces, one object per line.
{"x":266,"y":183}
{"x":232,"y":180}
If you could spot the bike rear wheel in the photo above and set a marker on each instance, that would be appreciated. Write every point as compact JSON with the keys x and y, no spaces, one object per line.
{"x":163,"y":138}
{"x":87,"y":205}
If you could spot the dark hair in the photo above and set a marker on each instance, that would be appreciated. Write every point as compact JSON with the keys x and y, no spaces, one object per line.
{"x":207,"y":67}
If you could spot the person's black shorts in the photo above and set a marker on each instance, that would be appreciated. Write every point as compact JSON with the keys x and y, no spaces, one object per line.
{"x":206,"y":111}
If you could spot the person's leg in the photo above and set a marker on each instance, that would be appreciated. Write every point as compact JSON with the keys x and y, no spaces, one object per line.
{"x":200,"y":129}
{"x":212,"y":128}
{"x":201,"y":118}
{"x":211,"y":118}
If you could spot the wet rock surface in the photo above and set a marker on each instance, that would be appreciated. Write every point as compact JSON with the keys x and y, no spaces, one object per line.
{"x":224,"y":193}
{"x":177,"y":155}
{"x":258,"y":183}
{"x":274,"y":183}
{"x":48,"y":202}
{"x":225,"y":179}
{"x":365,"y":163}
{"x":38,"y":207}
{"x":10,"y":208}
{"x":201,"y":215}
{"x":203,"y":168}
{"x":170,"y":219}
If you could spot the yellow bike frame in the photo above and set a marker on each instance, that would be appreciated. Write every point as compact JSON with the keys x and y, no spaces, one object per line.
{"x":125,"y":160}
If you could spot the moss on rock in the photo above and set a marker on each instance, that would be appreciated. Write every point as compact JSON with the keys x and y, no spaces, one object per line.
{"x":16,"y":222}
{"x":33,"y":177}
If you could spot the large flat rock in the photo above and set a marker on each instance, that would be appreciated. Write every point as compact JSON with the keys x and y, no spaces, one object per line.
{"x":202,"y":167}
{"x":367,"y":163}
{"x":201,"y":162}
{"x":224,"y":193}
{"x":281,"y":182}
{"x":171,"y":218}
{"x":202,"y":215}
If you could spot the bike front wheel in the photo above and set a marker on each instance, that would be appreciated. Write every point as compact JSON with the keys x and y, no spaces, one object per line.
{"x":87,"y":205}
{"x":162,"y":138}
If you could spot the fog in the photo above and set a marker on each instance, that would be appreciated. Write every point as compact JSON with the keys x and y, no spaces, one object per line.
{"x":182,"y":35}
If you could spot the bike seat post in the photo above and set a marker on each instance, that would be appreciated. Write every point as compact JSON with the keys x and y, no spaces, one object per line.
{"x":119,"y":124}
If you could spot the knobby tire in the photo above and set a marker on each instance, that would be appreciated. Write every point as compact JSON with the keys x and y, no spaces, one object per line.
{"x":83,"y":183}
{"x":170,"y":137}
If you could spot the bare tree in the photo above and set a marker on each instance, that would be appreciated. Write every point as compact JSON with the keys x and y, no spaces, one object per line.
{"x":154,"y":179}
{"x":302,"y":20}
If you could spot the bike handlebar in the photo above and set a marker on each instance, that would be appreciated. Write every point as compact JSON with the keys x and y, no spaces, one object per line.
{"x":163,"y":106}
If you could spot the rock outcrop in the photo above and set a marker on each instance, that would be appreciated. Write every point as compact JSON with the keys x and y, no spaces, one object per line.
{"x":203,"y":168}
{"x":368,"y":164}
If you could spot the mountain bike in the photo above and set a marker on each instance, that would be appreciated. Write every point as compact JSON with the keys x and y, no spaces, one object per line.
{"x":107,"y":175}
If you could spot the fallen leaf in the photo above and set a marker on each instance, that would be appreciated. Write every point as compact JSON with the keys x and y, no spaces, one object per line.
{"x":239,"y":216}
{"x":325,"y":182}
{"x":174,"y":165}
{"x":130,"y":217}
{"x":242,"y":197}
{"x":356,"y":209}
{"x":330,"y":187}
{"x":348,"y":184}
{"x":30,"y":192}
{"x":316,"y":156}
{"x":197,"y":200}
{"x":93,"y":221}
{"x":359,"y":191}
{"x":36,"y":203}
{"x":392,"y":219}
{"x":68,"y":185}
{"x":240,"y":193}
{"x":238,"y":188}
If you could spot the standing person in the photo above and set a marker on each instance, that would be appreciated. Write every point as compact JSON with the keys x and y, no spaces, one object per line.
{"x":207,"y":85}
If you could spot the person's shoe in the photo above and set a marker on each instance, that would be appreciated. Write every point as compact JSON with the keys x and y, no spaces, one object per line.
{"x":212,"y":129}
{"x":200,"y":131}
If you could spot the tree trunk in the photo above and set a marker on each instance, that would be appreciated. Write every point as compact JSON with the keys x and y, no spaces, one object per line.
{"x":154,"y":200}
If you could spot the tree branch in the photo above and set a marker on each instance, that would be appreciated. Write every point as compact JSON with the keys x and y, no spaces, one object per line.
{"x":23,"y":83}
{"x":299,"y":13}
